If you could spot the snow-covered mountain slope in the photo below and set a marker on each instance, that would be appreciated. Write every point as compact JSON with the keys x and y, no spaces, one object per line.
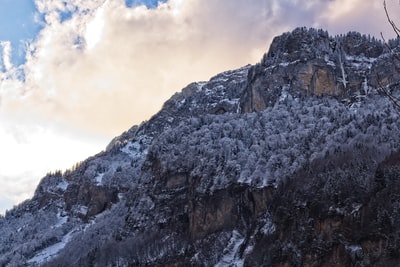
{"x":291,"y":162}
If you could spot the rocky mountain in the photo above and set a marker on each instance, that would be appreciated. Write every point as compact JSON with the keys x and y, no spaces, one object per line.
{"x":294,"y":161}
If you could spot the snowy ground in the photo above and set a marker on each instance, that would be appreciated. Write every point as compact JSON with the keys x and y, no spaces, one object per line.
{"x":49,"y":252}
{"x":231,"y":252}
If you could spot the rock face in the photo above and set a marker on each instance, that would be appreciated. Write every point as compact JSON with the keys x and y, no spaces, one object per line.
{"x":292,"y":162}
{"x":312,"y":62}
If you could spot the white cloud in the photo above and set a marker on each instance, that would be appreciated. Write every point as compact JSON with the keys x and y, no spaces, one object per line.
{"x":107,"y":69}
{"x":94,"y":29}
{"x":31,"y":149}
{"x":109,"y":66}
{"x":368,"y":17}
{"x":6,"y":46}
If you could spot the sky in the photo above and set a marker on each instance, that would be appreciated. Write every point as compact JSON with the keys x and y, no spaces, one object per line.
{"x":76,"y":73}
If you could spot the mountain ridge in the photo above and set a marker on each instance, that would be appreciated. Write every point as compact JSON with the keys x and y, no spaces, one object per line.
{"x":284,"y":163}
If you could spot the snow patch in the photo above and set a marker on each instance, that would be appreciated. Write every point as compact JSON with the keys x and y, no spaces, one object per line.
{"x":208,"y":92}
{"x":355,"y":251}
{"x":51,"y":251}
{"x":329,"y":62}
{"x":268,"y":227}
{"x":181,"y":103}
{"x":63,"y":185}
{"x":134,"y":149}
{"x":285,"y":64}
{"x":354,"y":248}
{"x":222,"y":79}
{"x":360,"y":61}
{"x":361,"y":58}
{"x":99,"y":179}
{"x":234,"y":101}
{"x":285,"y":94}
{"x":80,"y":209}
{"x":60,"y":220}
{"x":200,"y":86}
{"x":131,"y":149}
{"x":83,"y":209}
{"x":231,"y":252}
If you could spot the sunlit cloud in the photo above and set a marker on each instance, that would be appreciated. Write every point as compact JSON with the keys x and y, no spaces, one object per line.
{"x":367,"y":17}
{"x":110,"y":66}
{"x":116,"y":66}
{"x":94,"y":29}
{"x":6,"y":47}
{"x":31,"y":149}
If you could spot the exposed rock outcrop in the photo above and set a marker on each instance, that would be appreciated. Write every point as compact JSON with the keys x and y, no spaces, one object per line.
{"x":312,"y":62}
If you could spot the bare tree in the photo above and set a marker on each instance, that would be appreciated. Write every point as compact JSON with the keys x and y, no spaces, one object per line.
{"x":395,"y":100}
{"x":390,"y":20}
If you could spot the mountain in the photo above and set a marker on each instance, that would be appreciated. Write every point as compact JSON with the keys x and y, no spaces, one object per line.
{"x":294,"y":161}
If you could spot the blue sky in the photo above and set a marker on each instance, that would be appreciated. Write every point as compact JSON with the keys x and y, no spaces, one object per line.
{"x":76,"y":96}
{"x":19,"y":23}
{"x":148,"y":3}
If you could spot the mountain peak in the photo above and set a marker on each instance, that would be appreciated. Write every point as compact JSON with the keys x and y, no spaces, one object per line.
{"x":308,"y":43}
{"x":309,"y":61}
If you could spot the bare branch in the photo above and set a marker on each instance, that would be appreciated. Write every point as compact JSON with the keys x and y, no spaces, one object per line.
{"x":391,"y":22}
{"x":384,"y":90}
{"x":395,"y":101}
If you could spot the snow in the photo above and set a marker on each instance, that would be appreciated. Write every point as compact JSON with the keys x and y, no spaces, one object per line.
{"x":361,"y":58}
{"x":337,"y":210}
{"x":248,"y":249}
{"x":284,"y":95}
{"x":222,"y":79}
{"x":354,"y":250}
{"x":231,"y":252}
{"x":285,"y":64}
{"x":208,"y":92}
{"x":131,"y":149}
{"x":121,"y":196}
{"x":360,"y":61}
{"x":228,"y":77}
{"x":63,"y":185}
{"x":200,"y":85}
{"x":61,"y":220}
{"x":99,"y":179}
{"x":329,"y":62}
{"x":366,"y":89}
{"x":83,"y":209}
{"x":134,"y":149}
{"x":356,"y":208}
{"x":80,"y":209}
{"x":51,"y":251}
{"x":342,"y":79}
{"x":268,"y":227}
{"x":234,"y":101}
{"x":181,"y":103}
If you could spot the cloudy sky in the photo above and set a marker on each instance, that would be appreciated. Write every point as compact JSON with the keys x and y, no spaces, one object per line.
{"x":76,"y":73}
